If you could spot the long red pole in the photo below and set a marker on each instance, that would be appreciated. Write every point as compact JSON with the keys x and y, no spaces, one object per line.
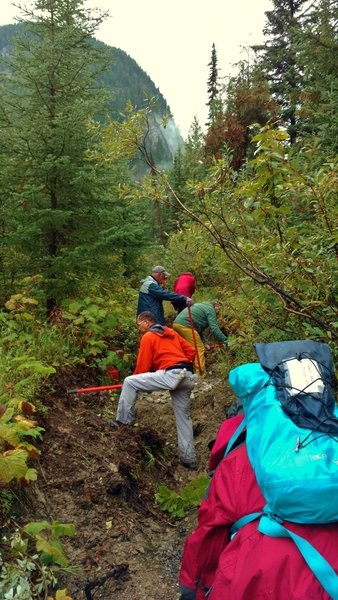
{"x":217,"y":346}
{"x":194,"y":338}
{"x":90,"y":390}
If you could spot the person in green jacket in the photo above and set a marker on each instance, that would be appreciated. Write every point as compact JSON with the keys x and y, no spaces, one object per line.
{"x":204,"y":314}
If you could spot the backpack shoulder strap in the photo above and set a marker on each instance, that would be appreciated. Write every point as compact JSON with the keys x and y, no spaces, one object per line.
{"x":235,"y":436}
{"x":235,"y":527}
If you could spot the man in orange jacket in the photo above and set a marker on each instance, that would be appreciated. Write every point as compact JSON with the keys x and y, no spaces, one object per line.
{"x":164,"y":362}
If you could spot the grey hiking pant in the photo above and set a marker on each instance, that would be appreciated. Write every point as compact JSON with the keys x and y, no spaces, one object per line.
{"x":180,"y":383}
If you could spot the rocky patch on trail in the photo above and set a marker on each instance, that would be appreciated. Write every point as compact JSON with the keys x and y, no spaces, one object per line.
{"x":103,"y":479}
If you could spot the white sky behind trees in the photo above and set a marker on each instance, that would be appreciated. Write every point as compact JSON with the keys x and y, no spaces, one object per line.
{"x":172,"y":41}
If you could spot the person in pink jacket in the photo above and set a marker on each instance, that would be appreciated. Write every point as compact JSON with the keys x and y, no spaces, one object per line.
{"x":250,"y":565}
{"x":185,"y":285}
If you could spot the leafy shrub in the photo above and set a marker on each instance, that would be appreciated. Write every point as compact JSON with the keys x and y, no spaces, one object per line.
{"x":15,"y":448}
{"x":28,"y":573}
{"x":103,"y":329}
{"x":190,"y":496}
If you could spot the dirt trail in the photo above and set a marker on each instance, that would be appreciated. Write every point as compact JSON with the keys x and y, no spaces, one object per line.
{"x":103,"y":480}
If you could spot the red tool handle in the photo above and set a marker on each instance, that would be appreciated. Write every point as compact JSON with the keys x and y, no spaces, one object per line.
{"x":194,"y":338}
{"x":217,"y":346}
{"x":90,"y":390}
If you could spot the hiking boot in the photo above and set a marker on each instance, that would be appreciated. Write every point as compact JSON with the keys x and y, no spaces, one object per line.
{"x":115,"y":424}
{"x":192,"y":465}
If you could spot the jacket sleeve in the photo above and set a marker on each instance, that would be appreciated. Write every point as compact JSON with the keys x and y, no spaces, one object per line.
{"x":233,"y":493}
{"x":144,"y":361}
{"x":214,"y":328}
{"x":205,"y":545}
{"x":157,"y":292}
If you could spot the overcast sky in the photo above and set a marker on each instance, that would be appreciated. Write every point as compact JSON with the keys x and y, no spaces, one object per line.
{"x":172,"y":41}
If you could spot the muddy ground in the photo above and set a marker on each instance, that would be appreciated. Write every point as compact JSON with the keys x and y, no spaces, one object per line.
{"x":103,"y":480}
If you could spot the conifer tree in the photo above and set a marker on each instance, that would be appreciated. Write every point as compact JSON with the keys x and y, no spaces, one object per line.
{"x":56,"y":196}
{"x":318,"y":109}
{"x":195,"y":136}
{"x":279,"y":56}
{"x":213,"y":89}
{"x":194,"y":150}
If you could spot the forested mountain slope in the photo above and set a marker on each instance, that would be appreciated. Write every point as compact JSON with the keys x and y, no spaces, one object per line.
{"x":129,"y":83}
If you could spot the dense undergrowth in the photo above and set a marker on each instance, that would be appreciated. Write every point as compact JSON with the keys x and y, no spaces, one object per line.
{"x":91,"y":334}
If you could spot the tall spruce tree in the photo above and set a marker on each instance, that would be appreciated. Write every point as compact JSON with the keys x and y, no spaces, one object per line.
{"x":56,"y":195}
{"x":280,"y":59}
{"x":214,"y":102}
{"x":318,"y":109}
{"x":194,"y":150}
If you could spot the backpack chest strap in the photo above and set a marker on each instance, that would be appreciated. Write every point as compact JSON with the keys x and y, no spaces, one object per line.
{"x":272,"y":526}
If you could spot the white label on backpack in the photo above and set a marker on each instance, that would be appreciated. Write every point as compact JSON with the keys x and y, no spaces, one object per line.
{"x":303,"y":376}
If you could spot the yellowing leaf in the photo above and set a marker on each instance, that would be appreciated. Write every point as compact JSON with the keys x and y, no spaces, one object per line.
{"x":25,"y":423}
{"x":52,"y":550}
{"x":11,"y":305}
{"x":62,"y":595}
{"x":7,"y":415}
{"x":32,"y":450}
{"x":30,"y":301}
{"x":16,"y":297}
{"x":13,"y":465}
{"x":9,"y":434}
{"x":31,"y":475}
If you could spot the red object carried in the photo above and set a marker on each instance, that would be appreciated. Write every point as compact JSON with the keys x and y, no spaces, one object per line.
{"x":113,"y":373}
{"x":91,"y":390}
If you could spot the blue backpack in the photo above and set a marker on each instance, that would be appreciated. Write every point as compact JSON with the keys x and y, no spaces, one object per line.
{"x":292,"y":441}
